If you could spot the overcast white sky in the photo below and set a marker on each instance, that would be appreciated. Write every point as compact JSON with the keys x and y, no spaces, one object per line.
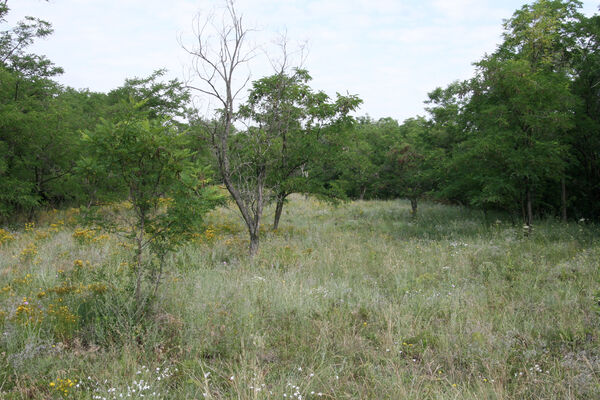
{"x":389,"y":52}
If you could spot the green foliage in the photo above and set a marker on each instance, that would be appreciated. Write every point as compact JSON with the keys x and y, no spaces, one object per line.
{"x":520,"y":115}
{"x":160,"y":99}
{"x":167,"y":193}
{"x":39,"y":124}
{"x":583,"y":168}
{"x":507,"y":136}
{"x":410,"y":167}
{"x":296,"y":133}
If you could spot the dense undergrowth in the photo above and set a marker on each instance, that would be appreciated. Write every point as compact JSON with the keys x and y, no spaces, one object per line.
{"x":358,"y":301}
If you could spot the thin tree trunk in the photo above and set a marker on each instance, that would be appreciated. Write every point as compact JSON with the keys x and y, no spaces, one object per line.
{"x":254,"y":241}
{"x":278,"y":211}
{"x":362,"y":193}
{"x":255,"y":231}
{"x":529,"y":210}
{"x":563,"y":199}
{"x":161,"y":260}
{"x":413,"y":205}
{"x":523,"y":213}
{"x":138,"y":283}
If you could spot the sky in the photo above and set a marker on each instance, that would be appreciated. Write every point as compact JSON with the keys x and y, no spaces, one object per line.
{"x":390,"y":53}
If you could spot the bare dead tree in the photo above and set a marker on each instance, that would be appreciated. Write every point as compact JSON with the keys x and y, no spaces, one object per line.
{"x":219,"y":55}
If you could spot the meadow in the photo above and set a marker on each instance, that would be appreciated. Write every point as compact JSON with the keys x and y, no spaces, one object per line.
{"x":351,"y":301}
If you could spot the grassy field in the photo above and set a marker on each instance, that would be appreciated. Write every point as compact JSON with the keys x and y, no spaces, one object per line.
{"x":356,"y":301}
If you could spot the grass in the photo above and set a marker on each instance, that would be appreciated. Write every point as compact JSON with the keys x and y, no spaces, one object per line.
{"x":358,"y":301}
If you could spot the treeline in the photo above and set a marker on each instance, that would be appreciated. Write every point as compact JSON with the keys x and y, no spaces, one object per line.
{"x":45,"y":160}
{"x":521,"y":136}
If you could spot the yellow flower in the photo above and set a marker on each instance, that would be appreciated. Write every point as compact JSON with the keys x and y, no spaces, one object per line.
{"x":52,"y":384}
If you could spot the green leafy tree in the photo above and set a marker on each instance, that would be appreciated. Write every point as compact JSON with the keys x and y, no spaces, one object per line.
{"x":154,"y":98}
{"x":161,"y":99}
{"x":505,"y":130}
{"x":410,"y":166}
{"x":296,"y":130}
{"x":167,"y":192}
{"x":244,"y":159}
{"x":362,"y":164}
{"x":583,"y":169}
{"x":33,"y":138}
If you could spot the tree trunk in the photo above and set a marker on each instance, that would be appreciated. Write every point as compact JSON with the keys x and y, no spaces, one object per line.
{"x":253,"y":244}
{"x":250,"y":217}
{"x":413,"y":205}
{"x":362,"y":193}
{"x":138,"y":253}
{"x":563,"y":199}
{"x":278,"y":211}
{"x":529,"y":210}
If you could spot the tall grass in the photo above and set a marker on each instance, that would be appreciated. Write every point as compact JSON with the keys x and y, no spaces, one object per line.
{"x":356,"y":301}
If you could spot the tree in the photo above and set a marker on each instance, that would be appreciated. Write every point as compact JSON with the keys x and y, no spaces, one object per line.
{"x":166,"y":191}
{"x":246,"y":158}
{"x":584,"y":140}
{"x":521,"y":115}
{"x":298,"y":128}
{"x":216,"y":63}
{"x":363,"y":157}
{"x":508,"y":124}
{"x":543,"y":34}
{"x":409,"y":169}
{"x":160,"y":99}
{"x":32,"y":135}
